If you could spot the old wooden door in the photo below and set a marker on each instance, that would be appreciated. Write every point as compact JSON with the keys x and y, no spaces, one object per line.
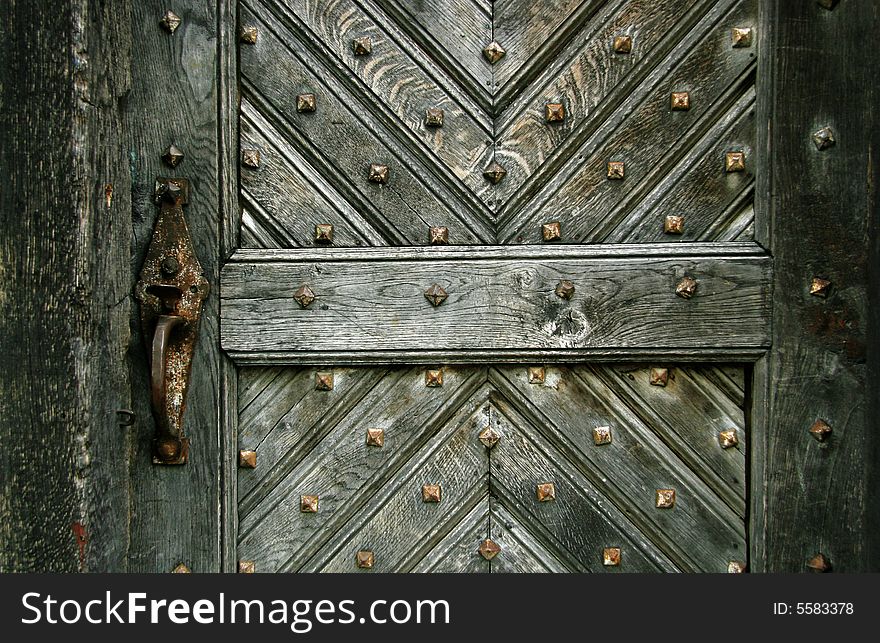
{"x":495,"y":284}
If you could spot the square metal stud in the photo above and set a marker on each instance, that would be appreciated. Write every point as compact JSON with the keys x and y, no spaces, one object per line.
{"x":438,"y":236}
{"x":362,"y":46}
{"x":431,"y":493}
{"x":611,"y":556}
{"x":554,"y":112}
{"x":434,"y":377}
{"x":820,"y":287}
{"x":819,"y":564}
{"x":364,"y":559}
{"x":673,"y":224}
{"x":680,"y":102}
{"x":250,"y":158}
{"x":494,"y":52}
{"x":375,"y":437}
{"x":823,"y":139}
{"x":494,"y":173}
{"x":551,"y":231}
{"x":658,"y":376}
{"x":170,"y":21}
{"x":436,"y":295}
{"x":308,"y":504}
{"x":324,"y":233}
{"x":434,"y":117}
{"x":181,"y":569}
{"x":665,"y":498}
{"x":489,"y":549}
{"x":735,"y":162}
{"x":248,"y":35}
{"x":172,"y":156}
{"x":821,"y":430}
{"x":736,"y":567}
{"x":323,"y":381}
{"x":565,"y":289}
{"x":741,"y":37}
{"x":489,"y":437}
{"x":545,"y":492}
{"x":615,"y":170}
{"x":306,"y":103}
{"x":602,"y":435}
{"x":728,"y":439}
{"x":378,"y":173}
{"x":686,"y":287}
{"x":304,"y":296}
{"x":537,"y":374}
{"x":247,"y":567}
{"x":623,"y":44}
{"x":247,"y":459}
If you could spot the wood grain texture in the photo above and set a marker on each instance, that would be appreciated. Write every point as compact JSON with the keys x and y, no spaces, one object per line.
{"x":819,"y":497}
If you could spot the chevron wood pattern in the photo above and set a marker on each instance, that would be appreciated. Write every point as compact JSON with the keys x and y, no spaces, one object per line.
{"x":371,"y":109}
{"x":313,"y":442}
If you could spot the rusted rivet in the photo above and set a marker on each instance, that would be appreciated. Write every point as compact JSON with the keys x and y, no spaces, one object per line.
{"x":615,"y":170}
{"x":565,"y":289}
{"x":823,"y":139}
{"x":545,"y":492}
{"x":436,"y":295}
{"x":170,"y":21}
{"x":434,"y":377}
{"x":489,"y":437}
{"x":247,"y":459}
{"x":554,"y":112}
{"x":324,"y":233}
{"x":489,"y":549}
{"x":362,"y":46}
{"x":686,"y":288}
{"x":306,"y":103}
{"x":537,"y":374}
{"x":181,"y":569}
{"x":170,"y":266}
{"x":324,"y":381}
{"x":820,"y":430}
{"x":248,"y":34}
{"x":611,"y":556}
{"x":493,"y":52}
{"x":828,"y":4}
{"x":308,"y":504}
{"x":820,"y":287}
{"x":434,"y":117}
{"x":735,"y":162}
{"x":665,"y":498}
{"x":494,"y":173}
{"x":680,"y":101}
{"x":364,"y":559}
{"x":602,"y":435}
{"x":431,"y":493}
{"x":658,"y":376}
{"x":741,"y":37}
{"x":819,"y":563}
{"x":673,"y":224}
{"x":438,"y":236}
{"x":304,"y":296}
{"x":172,"y":156}
{"x":623,"y":44}
{"x":246,"y":567}
{"x":375,"y":437}
{"x":736,"y":567}
{"x":551,"y":231}
{"x":378,"y":173}
{"x":251,"y":158}
{"x":728,"y":439}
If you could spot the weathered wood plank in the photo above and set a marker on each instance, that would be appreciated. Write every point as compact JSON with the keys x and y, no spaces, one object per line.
{"x":457,"y":552}
{"x":495,"y":305}
{"x":520,"y":551}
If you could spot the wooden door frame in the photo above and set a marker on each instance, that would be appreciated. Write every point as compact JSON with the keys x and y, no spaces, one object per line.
{"x":77,"y":114}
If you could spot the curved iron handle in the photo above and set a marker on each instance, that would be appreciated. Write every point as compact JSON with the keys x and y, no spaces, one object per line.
{"x":169,"y":446}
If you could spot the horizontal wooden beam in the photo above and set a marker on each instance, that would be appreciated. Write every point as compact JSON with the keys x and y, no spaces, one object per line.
{"x":500,"y":307}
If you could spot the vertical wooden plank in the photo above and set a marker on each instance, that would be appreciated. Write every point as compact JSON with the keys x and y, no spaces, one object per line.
{"x":176,"y":510}
{"x":815,"y":496}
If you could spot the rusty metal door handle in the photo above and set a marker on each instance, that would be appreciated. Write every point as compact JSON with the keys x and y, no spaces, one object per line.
{"x":171,"y":290}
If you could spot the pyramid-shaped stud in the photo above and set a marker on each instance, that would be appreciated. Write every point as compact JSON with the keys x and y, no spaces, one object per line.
{"x":728,"y":439}
{"x":250,"y":158}
{"x":686,"y":287}
{"x":306,"y":103}
{"x":823,"y":139}
{"x":431,"y":493}
{"x":489,"y":437}
{"x":545,"y":492}
{"x":170,"y":21}
{"x":438,"y":236}
{"x":489,"y":549}
{"x":247,"y":459}
{"x":181,"y":569}
{"x":248,"y":35}
{"x":172,"y":156}
{"x":658,"y":376}
{"x":304,"y":296}
{"x":375,"y":437}
{"x":611,"y":556}
{"x":378,"y":173}
{"x":680,"y":101}
{"x":493,"y":52}
{"x":615,"y":170}
{"x":623,"y":44}
{"x":434,"y":117}
{"x":247,"y":567}
{"x":741,"y":37}
{"x":819,"y":563}
{"x":820,"y":287}
{"x":551,"y":231}
{"x":736,"y":567}
{"x":554,"y":112}
{"x":537,"y":374}
{"x":362,"y":46}
{"x":494,"y":173}
{"x":673,"y":224}
{"x":602,"y":435}
{"x":324,"y":233}
{"x":565,"y":289}
{"x":665,"y":498}
{"x":323,"y":381}
{"x":436,"y":295}
{"x":821,"y":430}
{"x":735,"y":162}
{"x":434,"y":377}
{"x":308,"y":504}
{"x":364,"y":559}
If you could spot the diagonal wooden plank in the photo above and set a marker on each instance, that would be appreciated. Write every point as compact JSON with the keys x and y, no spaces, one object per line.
{"x":458,"y":551}
{"x":521,"y":551}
